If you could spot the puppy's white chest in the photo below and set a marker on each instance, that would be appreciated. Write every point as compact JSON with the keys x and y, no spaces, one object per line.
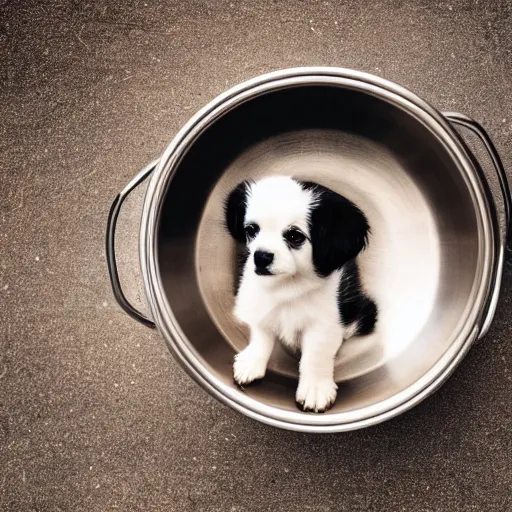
{"x":289,"y":321}
{"x":288,"y":312}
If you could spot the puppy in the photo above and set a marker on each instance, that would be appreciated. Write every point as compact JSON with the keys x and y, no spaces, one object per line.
{"x":299,"y":279}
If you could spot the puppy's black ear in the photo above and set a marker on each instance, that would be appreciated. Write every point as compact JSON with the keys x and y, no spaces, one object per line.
{"x":339,"y":229}
{"x":235,"y":207}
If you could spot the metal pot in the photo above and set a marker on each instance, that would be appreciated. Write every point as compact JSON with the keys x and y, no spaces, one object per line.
{"x":433,"y":265}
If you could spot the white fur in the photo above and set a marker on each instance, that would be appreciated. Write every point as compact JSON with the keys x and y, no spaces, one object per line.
{"x":294,"y":304}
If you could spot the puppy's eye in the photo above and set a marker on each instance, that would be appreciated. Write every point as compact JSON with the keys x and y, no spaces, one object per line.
{"x":251,"y":230}
{"x":294,"y":237}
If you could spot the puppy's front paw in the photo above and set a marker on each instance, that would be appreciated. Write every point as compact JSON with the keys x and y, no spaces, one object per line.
{"x":248,"y":367}
{"x":316,"y":395}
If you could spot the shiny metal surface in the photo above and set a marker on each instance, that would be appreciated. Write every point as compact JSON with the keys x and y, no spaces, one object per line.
{"x":110,"y":245}
{"x":433,"y":263}
{"x":462,"y":120}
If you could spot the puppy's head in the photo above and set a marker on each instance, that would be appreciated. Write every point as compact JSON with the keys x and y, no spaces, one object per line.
{"x":293,"y":228}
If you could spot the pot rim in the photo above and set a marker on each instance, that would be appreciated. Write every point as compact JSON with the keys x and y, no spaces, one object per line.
{"x":481,"y":294}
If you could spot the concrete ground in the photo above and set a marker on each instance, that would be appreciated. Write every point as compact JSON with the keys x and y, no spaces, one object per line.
{"x":95,"y":415}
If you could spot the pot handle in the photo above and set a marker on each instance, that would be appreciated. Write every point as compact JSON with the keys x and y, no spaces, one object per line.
{"x":110,"y":245}
{"x":479,"y":131}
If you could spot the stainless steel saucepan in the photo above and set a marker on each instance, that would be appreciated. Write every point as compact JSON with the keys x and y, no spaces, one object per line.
{"x":433,"y":265}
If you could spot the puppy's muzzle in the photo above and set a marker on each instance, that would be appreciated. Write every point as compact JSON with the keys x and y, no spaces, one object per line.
{"x":262,"y":260}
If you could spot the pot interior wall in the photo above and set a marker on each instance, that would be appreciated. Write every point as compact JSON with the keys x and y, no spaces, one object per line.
{"x":421,"y":265}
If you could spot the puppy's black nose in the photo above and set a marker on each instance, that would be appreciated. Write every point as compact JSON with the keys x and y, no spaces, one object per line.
{"x":263,"y":259}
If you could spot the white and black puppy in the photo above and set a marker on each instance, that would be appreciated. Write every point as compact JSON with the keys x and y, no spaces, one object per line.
{"x":299,"y":279}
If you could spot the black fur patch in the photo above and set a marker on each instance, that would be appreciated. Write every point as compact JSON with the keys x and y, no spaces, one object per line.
{"x":339,"y":229}
{"x":235,"y":207}
{"x":353,"y":304}
{"x":242,"y":253}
